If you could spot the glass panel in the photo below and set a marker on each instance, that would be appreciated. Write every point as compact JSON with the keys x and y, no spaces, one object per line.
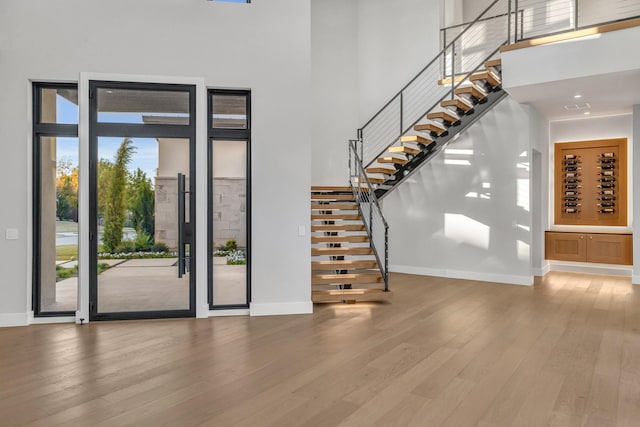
{"x":59,"y":105}
{"x":138,"y":224}
{"x":143,"y":106}
{"x":58,"y":212}
{"x":229,"y":111}
{"x":229,"y":222}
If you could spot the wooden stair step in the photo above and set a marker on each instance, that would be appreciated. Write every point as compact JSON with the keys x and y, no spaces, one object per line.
{"x":343,"y":265}
{"x":373,"y":180}
{"x":331,"y":217}
{"x":429,"y":127}
{"x":403,"y":149}
{"x":326,"y":228}
{"x":417,"y":139}
{"x":329,"y":197}
{"x":340,"y":239}
{"x":340,"y":251}
{"x":386,"y":171}
{"x":457,"y":103}
{"x":349,"y":278}
{"x":493,"y":63}
{"x":334,"y":206}
{"x":443,"y":117}
{"x":331,"y":188}
{"x":393,"y":160}
{"x":350,"y":295}
{"x":472,"y":91}
{"x":486,"y":76}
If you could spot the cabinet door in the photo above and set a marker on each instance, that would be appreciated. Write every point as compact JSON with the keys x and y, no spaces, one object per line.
{"x":566,"y":246}
{"x":610,"y":248}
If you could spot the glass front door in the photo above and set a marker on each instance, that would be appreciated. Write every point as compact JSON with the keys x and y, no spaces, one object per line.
{"x":142,"y":233}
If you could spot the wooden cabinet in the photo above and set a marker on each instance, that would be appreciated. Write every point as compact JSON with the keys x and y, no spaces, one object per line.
{"x":602,"y":248}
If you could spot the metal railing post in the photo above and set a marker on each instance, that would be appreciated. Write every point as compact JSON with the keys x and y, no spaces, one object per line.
{"x":509,"y":22}
{"x":386,"y":258}
{"x":401,"y":112}
{"x":444,"y":46}
{"x":453,"y":69}
{"x":515,"y":23}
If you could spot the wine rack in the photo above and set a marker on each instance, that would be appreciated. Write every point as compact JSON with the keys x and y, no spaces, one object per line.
{"x":591,"y":183}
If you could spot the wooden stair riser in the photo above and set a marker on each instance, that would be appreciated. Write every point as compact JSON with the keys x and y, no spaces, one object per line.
{"x":336,"y":217}
{"x":334,"y":207}
{"x":343,"y":265}
{"x":327,"y":228}
{"x":341,"y":251}
{"x":446,"y":119}
{"x":340,"y":239}
{"x":416,"y":139}
{"x":350,"y":279}
{"x":404,"y":149}
{"x":350,"y":295}
{"x":332,"y":197}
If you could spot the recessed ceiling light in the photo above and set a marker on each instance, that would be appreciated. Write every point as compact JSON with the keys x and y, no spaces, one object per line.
{"x":586,"y":113}
{"x":578,"y":96}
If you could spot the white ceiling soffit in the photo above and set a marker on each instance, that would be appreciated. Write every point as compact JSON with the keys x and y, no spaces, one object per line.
{"x":606,"y":94}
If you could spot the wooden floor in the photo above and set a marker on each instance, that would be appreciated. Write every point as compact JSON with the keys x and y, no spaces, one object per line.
{"x":565,"y":352}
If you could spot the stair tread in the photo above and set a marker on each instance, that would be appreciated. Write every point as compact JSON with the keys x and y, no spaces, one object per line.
{"x":334,"y":206}
{"x":487,"y":76}
{"x":351,"y":278}
{"x":403,"y":149}
{"x":416,"y":138}
{"x":339,"y":239}
{"x":327,"y":197}
{"x":387,"y":171}
{"x":338,"y":295}
{"x":331,"y":188}
{"x":341,"y":251}
{"x":442,"y":115}
{"x":330,"y":217}
{"x":336,"y":227}
{"x":343,"y":264}
{"x":429,"y":127}
{"x":395,"y":160}
{"x":470,"y":90}
{"x":493,"y":63}
{"x":458,"y":103}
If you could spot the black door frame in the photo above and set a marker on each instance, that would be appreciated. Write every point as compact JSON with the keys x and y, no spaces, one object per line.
{"x":41,"y":130}
{"x":225,"y":134}
{"x":96,"y":130}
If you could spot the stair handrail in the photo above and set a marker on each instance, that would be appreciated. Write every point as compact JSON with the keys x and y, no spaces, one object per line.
{"x":366,"y":195}
{"x":442,"y":54}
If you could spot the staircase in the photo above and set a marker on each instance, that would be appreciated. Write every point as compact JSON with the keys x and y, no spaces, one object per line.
{"x":476,"y":94}
{"x":344,"y":266}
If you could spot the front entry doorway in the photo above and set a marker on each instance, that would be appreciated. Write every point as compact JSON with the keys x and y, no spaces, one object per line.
{"x":142,"y":234}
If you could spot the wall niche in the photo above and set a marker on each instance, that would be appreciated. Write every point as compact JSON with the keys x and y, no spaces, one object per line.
{"x":591,"y":183}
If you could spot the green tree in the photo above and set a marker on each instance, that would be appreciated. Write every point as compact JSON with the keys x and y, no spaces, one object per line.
{"x":142,"y":203}
{"x":104,"y":179}
{"x":115,"y":208}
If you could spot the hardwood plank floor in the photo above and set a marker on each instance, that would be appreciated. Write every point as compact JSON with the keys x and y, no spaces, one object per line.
{"x":565,"y":352}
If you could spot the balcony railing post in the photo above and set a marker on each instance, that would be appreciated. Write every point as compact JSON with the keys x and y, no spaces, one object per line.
{"x":508,"y":21}
{"x":386,"y":258}
{"x":515,"y":23}
{"x":401,"y":112}
{"x":453,"y":69}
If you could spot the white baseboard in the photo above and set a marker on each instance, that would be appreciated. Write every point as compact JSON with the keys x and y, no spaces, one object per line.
{"x":541,"y":272}
{"x":222,"y":313}
{"x":466,"y":275}
{"x":635,"y":280}
{"x":14,"y":319}
{"x":280,"y":308}
{"x":48,"y":320}
{"x":591,"y":268}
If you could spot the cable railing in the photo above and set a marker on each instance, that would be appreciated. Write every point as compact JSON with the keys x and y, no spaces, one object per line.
{"x":370,"y":211}
{"x":465,"y":52}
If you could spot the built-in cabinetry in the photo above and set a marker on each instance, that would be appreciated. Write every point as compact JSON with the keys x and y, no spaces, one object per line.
{"x":605,"y":248}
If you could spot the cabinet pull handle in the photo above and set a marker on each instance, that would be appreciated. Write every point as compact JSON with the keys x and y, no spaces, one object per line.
{"x":590,"y":237}
{"x":582,"y":237}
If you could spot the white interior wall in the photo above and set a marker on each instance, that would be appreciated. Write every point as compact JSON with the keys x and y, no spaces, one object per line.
{"x":466,"y":213}
{"x":539,"y":189}
{"x":363,"y":53}
{"x":635,"y":167}
{"x":229,"y":45}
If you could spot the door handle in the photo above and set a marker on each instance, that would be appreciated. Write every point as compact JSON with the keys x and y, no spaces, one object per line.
{"x":181,"y":221}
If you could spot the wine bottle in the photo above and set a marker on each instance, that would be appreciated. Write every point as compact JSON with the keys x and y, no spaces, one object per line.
{"x":607,"y":179}
{"x":572,"y":174}
{"x":607,"y":192}
{"x":571,"y":199}
{"x":571,"y":210}
{"x":607,"y":155}
{"x":572,"y":168}
{"x":607,"y":185}
{"x":607,"y":160}
{"x":571,"y":156}
{"x":606,"y":173}
{"x":606,"y":204}
{"x":572,"y":186}
{"x":607,"y":198}
{"x":572,"y":205}
{"x":606,"y":166}
{"x":572,"y":162}
{"x":572,"y":180}
{"x":607,"y":210}
{"x":572,"y":193}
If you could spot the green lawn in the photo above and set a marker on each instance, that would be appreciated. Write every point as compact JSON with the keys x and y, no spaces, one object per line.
{"x":66,"y":252}
{"x":66,"y":227}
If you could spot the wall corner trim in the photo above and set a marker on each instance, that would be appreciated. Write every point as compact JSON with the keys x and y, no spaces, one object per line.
{"x":465,"y":275}
{"x":14,"y":319}
{"x":542,"y":271}
{"x":635,"y":280}
{"x":280,"y":308}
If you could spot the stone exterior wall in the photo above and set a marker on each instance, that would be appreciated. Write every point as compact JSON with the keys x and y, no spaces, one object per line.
{"x":229,"y":211}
